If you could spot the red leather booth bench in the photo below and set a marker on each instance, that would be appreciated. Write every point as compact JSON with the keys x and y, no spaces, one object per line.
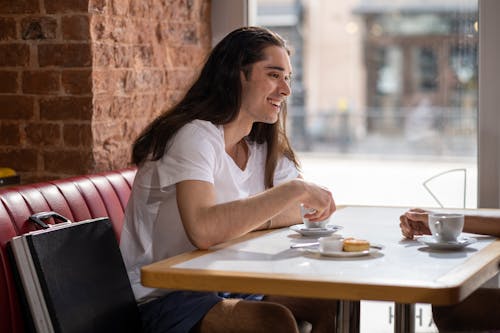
{"x":77,"y":198}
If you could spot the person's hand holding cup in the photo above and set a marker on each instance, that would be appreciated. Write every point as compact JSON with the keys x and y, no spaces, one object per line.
{"x":310,"y":224}
{"x":446,"y":227}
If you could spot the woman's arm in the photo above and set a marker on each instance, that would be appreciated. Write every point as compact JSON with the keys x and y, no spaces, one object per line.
{"x":207,"y":223}
{"x":415,"y":222}
{"x":286,"y":218}
{"x":484,"y":225}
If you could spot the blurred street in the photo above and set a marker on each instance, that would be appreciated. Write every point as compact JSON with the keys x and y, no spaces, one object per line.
{"x":396,"y":181}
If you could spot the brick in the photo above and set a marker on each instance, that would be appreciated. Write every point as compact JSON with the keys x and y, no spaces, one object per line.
{"x":16,"y":107}
{"x":14,"y":55}
{"x":19,"y":6}
{"x":161,"y":101}
{"x":148,"y":37}
{"x":120,"y":7}
{"x":8,"y":82}
{"x":99,"y":28}
{"x":66,"y":108}
{"x":181,"y":13}
{"x":187,"y":56}
{"x":102,"y":106}
{"x":119,"y":30}
{"x":98,"y":6}
{"x":75,"y":27}
{"x":123,"y":56}
{"x":116,"y":158}
{"x":148,"y":80}
{"x":65,"y":55}
{"x":19,"y":159}
{"x":77,"y":135}
{"x":103,"y":55}
{"x":124,"y":81}
{"x":122,"y":108}
{"x":144,"y":56}
{"x":41,"y":82}
{"x":179,"y":79}
{"x":77,"y":82}
{"x":65,"y":6}
{"x":68,"y":161}
{"x":135,"y":128}
{"x":107,"y":135}
{"x":143,"y":102}
{"x":101,"y":82}
{"x":7,"y":28}
{"x":140,"y":8}
{"x":38,"y":28}
{"x":177,"y":32}
{"x":43,"y":134}
{"x":10,"y":134}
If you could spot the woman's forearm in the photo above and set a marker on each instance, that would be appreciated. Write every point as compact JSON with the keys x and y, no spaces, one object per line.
{"x":484,"y":225}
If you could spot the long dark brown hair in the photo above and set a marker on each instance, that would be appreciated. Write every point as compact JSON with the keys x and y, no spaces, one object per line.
{"x":216,"y":97}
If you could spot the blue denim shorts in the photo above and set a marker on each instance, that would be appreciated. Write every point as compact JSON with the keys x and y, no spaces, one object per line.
{"x":179,"y":311}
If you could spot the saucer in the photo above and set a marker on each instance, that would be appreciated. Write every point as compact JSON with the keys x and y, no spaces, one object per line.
{"x":342,"y":254}
{"x":461,"y":242}
{"x":317,"y":232}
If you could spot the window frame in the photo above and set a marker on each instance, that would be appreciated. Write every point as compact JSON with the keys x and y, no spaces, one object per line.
{"x":488,"y":164}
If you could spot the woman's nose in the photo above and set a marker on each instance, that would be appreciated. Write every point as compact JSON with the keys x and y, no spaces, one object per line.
{"x":285,"y":88}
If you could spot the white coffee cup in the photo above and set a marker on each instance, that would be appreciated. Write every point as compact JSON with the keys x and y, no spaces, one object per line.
{"x":446,"y":227}
{"x":310,"y":224}
{"x":333,"y":243}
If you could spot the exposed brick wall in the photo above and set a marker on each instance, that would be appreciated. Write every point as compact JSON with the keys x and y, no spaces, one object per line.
{"x":79,"y":79}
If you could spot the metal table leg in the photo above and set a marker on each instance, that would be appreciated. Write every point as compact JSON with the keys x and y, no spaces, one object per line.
{"x":404,"y":318}
{"x":348,"y":317}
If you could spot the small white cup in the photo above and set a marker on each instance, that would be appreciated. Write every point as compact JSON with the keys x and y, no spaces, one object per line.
{"x":446,"y":227}
{"x":333,"y":243}
{"x":309,"y":224}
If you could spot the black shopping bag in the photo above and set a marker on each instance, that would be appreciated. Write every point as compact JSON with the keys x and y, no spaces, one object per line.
{"x":73,"y":277}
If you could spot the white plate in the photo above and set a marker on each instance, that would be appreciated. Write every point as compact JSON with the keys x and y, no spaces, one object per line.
{"x":318,"y":232}
{"x":433,"y":243}
{"x":342,"y":254}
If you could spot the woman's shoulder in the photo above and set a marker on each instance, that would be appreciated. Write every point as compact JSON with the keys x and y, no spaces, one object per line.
{"x":201,"y":127}
{"x":199,"y":132}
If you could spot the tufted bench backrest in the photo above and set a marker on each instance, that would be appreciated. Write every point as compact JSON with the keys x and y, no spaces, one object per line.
{"x":77,"y":198}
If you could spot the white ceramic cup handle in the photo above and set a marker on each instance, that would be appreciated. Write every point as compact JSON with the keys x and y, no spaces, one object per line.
{"x":438,"y":226}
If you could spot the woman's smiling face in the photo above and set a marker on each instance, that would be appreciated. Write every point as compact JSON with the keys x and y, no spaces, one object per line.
{"x":265,"y":88}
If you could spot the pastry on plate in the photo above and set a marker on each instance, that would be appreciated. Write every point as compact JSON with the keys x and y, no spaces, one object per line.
{"x":355,"y":245}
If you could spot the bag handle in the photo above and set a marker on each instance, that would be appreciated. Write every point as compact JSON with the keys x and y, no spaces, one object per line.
{"x":39,"y":217}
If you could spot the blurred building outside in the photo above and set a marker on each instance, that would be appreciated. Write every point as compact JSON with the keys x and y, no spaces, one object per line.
{"x":380,"y":77}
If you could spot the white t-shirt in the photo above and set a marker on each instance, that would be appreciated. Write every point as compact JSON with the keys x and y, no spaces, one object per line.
{"x":153,"y":229}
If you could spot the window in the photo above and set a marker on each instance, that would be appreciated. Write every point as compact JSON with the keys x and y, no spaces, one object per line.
{"x":377,"y":80}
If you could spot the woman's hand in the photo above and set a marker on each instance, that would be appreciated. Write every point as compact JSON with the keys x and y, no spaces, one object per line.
{"x":414,"y":222}
{"x":320,"y":200}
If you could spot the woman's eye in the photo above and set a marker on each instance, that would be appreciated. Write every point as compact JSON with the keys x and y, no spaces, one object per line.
{"x":275,"y":75}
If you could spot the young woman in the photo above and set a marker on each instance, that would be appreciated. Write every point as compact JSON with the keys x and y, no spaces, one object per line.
{"x":217,"y":166}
